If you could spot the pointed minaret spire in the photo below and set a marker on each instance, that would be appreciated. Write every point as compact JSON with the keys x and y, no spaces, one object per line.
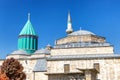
{"x":28,"y":16}
{"x":69,"y":24}
{"x":69,"y":18}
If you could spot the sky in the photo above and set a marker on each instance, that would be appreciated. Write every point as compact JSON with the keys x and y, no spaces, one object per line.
{"x":49,"y":19}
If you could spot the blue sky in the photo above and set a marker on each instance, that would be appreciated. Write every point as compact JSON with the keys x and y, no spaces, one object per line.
{"x":49,"y":18}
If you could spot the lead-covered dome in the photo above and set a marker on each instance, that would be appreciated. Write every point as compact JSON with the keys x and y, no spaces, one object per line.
{"x":81,"y":32}
{"x":42,"y":51}
{"x":19,"y":52}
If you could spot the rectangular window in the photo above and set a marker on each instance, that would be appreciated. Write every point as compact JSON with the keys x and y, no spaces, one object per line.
{"x":96,"y":66}
{"x":66,"y":68}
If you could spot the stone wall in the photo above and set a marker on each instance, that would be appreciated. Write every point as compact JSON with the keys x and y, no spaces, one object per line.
{"x":109,"y":68}
{"x":84,"y":38}
{"x":97,"y":39}
{"x":17,"y":56}
{"x":40,"y":76}
{"x":85,"y":50}
{"x":1,"y":61}
{"x":28,"y":67}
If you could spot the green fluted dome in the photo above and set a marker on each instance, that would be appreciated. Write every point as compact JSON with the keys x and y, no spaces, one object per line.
{"x":28,"y":29}
{"x":27,"y":39}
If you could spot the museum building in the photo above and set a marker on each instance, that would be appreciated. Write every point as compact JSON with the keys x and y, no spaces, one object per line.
{"x":80,"y":55}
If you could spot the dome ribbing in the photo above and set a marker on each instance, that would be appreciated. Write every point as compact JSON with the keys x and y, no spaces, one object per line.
{"x":28,"y":29}
{"x":28,"y":40}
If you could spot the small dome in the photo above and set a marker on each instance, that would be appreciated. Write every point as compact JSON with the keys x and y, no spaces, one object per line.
{"x":19,"y":52}
{"x":81,"y":32}
{"x":42,"y":51}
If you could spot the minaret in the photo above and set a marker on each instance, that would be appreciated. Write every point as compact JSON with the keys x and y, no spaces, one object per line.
{"x":69,"y":25}
{"x":27,"y":39}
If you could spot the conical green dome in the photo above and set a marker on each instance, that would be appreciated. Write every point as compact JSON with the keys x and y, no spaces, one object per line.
{"x":28,"y":40}
{"x":28,"y":29}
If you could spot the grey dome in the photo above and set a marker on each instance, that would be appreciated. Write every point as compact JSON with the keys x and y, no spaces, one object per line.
{"x":42,"y":51}
{"x":81,"y":32}
{"x":19,"y":52}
